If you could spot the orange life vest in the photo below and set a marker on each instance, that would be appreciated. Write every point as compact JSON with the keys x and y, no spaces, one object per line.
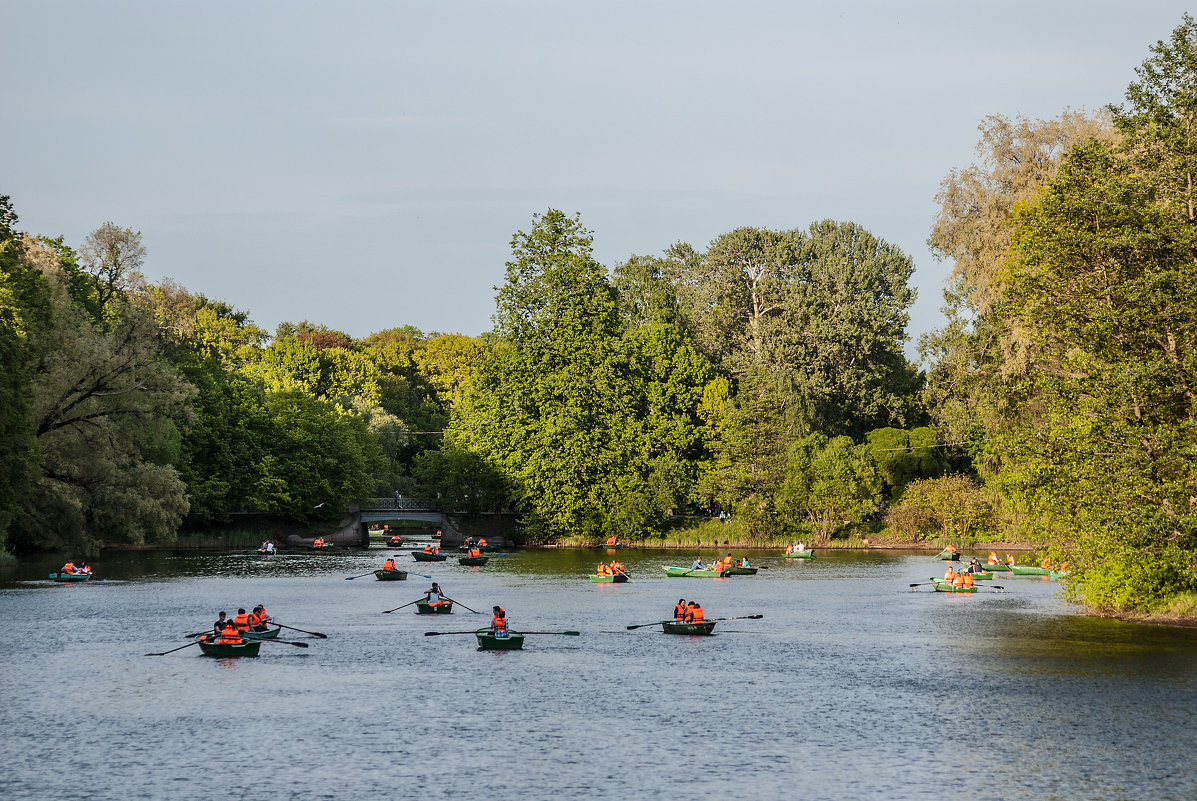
{"x":610,"y":540}
{"x":727,"y":562}
{"x":499,"y":621}
{"x":388,"y":564}
{"x":993,"y":560}
{"x":482,"y":542}
{"x":69,"y":567}
{"x":474,"y":553}
{"x":696,"y":614}
{"x":427,"y":549}
{"x":1046,"y":564}
{"x":1009,"y":559}
{"x":968,"y":579}
{"x":229,"y":635}
{"x":679,"y":611}
{"x":949,"y":574}
{"x":253,"y":620}
{"x":241,"y":622}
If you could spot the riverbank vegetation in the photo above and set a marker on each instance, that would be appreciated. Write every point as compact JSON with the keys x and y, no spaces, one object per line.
{"x":762,"y":377}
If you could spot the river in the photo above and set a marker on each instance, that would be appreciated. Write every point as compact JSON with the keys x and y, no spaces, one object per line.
{"x":851,"y":686}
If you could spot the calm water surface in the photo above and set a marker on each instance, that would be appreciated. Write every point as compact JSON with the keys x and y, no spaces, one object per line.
{"x":851,"y":686}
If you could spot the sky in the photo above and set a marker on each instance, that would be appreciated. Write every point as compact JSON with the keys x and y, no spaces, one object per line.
{"x":364,"y":165}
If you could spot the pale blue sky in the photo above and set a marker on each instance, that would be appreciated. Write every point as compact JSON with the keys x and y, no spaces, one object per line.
{"x":364,"y":164}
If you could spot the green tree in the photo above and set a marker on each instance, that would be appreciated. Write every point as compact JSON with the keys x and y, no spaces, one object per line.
{"x":830,"y":482}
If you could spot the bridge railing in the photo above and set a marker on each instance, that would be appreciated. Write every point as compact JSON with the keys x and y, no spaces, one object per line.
{"x":400,"y":504}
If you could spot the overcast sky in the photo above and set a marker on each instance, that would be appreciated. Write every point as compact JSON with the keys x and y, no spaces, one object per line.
{"x":364,"y":164}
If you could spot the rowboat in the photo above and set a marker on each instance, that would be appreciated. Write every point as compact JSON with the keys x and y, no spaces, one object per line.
{"x":614,"y":547}
{"x":483,"y":548}
{"x":473,"y":561}
{"x":998,"y":568}
{"x":420,"y":556}
{"x":948,"y":556}
{"x":70,"y":576}
{"x":807,"y":554}
{"x":681,"y":627}
{"x":685,"y":572}
{"x":268,"y":634}
{"x":619,"y":578}
{"x":1029,"y":570}
{"x":395,"y":542}
{"x":328,"y":546}
{"x":390,"y":575}
{"x":487,"y":641}
{"x":946,"y":586}
{"x":1056,"y":575}
{"x":984,"y":575}
{"x":425,"y":608}
{"x":247,"y":647}
{"x":736,"y":570}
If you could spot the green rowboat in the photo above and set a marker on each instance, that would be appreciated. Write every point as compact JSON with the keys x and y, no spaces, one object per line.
{"x":1029,"y":570}
{"x":998,"y":568}
{"x":948,"y":556}
{"x":984,"y":575}
{"x":487,"y":641}
{"x":807,"y":554}
{"x":443,"y":608}
{"x":473,"y":561}
{"x":682,"y":572}
{"x":679,"y":627}
{"x":1056,"y":575}
{"x":420,"y":556}
{"x":244,"y":648}
{"x":618,"y":579}
{"x":70,"y":576}
{"x":947,"y":586}
{"x":390,"y":575}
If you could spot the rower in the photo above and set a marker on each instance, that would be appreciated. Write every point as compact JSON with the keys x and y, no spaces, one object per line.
{"x":265,"y":618}
{"x":389,"y":564}
{"x":474,"y":553}
{"x":69,"y":567}
{"x":427,"y":549}
{"x":727,"y":562}
{"x":498,"y":623}
{"x":679,"y":609}
{"x":612,"y":542}
{"x":241,"y":622}
{"x":433,"y":596}
{"x":220,"y":623}
{"x":698,"y":565}
{"x":1010,"y":559}
{"x":993,"y":560}
{"x":318,"y":542}
{"x":257,"y":619}
{"x":949,"y":574}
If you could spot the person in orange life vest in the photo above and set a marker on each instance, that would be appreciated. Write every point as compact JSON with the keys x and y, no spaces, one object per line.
{"x":83,"y":568}
{"x":949,"y":574}
{"x":69,"y":567}
{"x":241,"y":621}
{"x":968,"y":580}
{"x":433,"y":596}
{"x":253,"y":620}
{"x":679,"y":609}
{"x":958,"y":580}
{"x":259,"y":614}
{"x":1010,"y":559}
{"x":229,"y":635}
{"x":1046,"y":564}
{"x":693,"y":613}
{"x":498,"y":623}
{"x":220,"y":623}
{"x":727,"y":562}
{"x":427,"y":549}
{"x":993,"y":560}
{"x":950,"y":548}
{"x":482,"y":542}
{"x":389,"y":564}
{"x":598,"y":571}
{"x":474,"y":553}
{"x":611,"y":541}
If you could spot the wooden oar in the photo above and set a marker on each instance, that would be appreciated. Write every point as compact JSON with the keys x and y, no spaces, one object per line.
{"x":742,"y":617}
{"x":180,"y":648}
{"x":566,"y":633}
{"x":363,"y":575}
{"x":280,"y":642}
{"x":463,"y":606}
{"x":301,"y":631}
{"x":439,"y":633}
{"x":397,"y":608}
{"x":642,"y":625}
{"x":625,"y":575}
